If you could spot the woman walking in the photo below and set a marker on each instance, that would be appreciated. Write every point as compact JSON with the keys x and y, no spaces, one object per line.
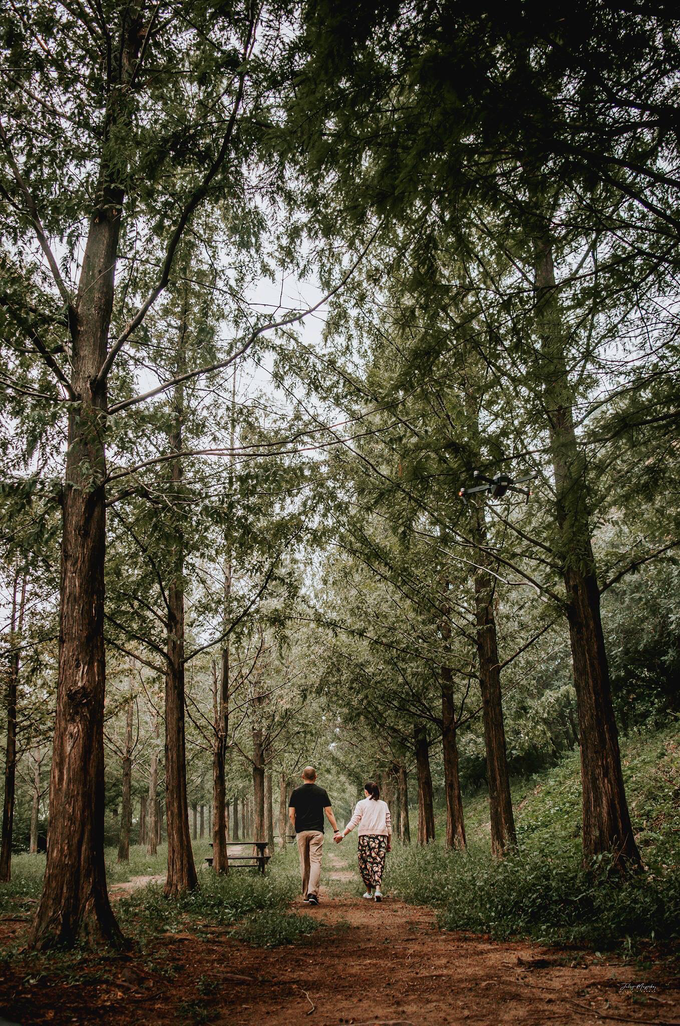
{"x":372,"y":816}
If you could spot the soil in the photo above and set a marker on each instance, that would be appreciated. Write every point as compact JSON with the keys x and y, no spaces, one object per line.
{"x":368,"y":964}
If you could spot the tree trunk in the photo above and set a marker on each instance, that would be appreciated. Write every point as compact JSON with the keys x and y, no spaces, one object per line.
{"x":503,"y":836}
{"x":404,"y":824}
{"x":425,"y":802}
{"x":194,"y":828}
{"x":455,"y":826}
{"x":209,"y":821}
{"x":181,"y":869}
{"x":152,"y":806}
{"x":244,"y":818}
{"x":395,"y":800}
{"x":606,"y":819}
{"x":126,"y":810}
{"x":141,"y":839}
{"x":201,"y":822}
{"x":235,"y":820}
{"x":258,"y":786}
{"x":226,"y":819}
{"x":221,"y":711}
{"x":268,"y":809}
{"x":16,"y":627}
{"x":75,"y":903}
{"x":283,"y":808}
{"x":159,"y":822}
{"x":35,"y":804}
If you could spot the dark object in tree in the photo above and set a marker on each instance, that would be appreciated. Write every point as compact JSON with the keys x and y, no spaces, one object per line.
{"x":498,"y":486}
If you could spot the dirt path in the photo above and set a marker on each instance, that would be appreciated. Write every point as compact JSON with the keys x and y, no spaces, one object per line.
{"x":367,"y":964}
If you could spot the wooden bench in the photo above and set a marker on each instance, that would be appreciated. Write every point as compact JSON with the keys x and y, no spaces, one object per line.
{"x":251,"y":861}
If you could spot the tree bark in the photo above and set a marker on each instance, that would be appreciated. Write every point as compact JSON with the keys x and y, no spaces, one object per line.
{"x":395,"y":800}
{"x":404,"y":824}
{"x":16,"y":627}
{"x":425,"y":801}
{"x":606,"y":818}
{"x":258,"y":786}
{"x":268,"y":808}
{"x":283,"y":808}
{"x":126,"y":803}
{"x":152,"y":804}
{"x":75,"y":904}
{"x":194,"y":828}
{"x":220,"y":854}
{"x":201,"y":822}
{"x":141,"y":839}
{"x":235,"y":819}
{"x":503,"y":836}
{"x":181,"y":868}
{"x":455,"y":825}
{"x":35,"y":804}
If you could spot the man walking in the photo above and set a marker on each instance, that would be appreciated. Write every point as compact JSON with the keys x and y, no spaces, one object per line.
{"x":306,"y":809}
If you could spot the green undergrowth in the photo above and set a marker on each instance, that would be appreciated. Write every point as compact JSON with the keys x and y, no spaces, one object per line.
{"x":543,"y":891}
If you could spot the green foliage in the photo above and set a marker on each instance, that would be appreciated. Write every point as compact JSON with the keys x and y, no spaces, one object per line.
{"x":543,"y":891}
{"x":271,"y":929}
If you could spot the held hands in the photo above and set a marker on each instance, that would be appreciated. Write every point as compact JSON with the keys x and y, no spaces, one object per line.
{"x":337,"y":836}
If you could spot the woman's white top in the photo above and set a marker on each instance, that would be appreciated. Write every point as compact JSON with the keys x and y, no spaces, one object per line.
{"x":372,"y":817}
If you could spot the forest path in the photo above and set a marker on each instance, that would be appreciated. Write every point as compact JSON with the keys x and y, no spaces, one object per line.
{"x":367,"y":964}
{"x":389,"y":963}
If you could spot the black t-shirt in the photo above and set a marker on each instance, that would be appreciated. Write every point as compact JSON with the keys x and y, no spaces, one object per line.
{"x":309,"y":801}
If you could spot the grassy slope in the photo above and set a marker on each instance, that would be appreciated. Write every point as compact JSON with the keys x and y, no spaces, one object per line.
{"x":543,"y":891}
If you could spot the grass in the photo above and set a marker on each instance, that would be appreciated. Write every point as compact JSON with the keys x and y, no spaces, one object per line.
{"x":543,"y":891}
{"x":259,"y":903}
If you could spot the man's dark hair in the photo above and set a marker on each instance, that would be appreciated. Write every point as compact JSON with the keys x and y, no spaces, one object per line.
{"x":373,"y":790}
{"x":309,"y":773}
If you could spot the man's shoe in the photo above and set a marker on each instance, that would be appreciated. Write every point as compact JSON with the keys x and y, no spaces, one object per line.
{"x":312,"y":899}
{"x":378,"y":895}
{"x":368,"y":896}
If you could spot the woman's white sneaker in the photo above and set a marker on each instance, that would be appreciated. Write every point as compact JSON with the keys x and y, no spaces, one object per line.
{"x":368,"y":896}
{"x":378,"y":895}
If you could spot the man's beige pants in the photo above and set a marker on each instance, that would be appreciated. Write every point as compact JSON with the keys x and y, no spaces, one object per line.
{"x":310,"y":846}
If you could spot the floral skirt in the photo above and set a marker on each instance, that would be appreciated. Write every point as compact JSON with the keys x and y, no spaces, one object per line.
{"x":372,"y":851}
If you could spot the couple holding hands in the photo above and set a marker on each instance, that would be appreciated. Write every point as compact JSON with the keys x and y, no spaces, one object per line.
{"x":306,"y":810}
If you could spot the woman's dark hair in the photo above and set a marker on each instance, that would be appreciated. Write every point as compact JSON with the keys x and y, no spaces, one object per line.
{"x":373,"y":790}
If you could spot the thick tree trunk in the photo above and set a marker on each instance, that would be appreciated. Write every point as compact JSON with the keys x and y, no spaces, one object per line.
{"x":126,"y":802}
{"x":503,"y":836}
{"x":141,"y":839}
{"x":181,"y":869}
{"x":75,"y":903}
{"x":425,"y":802}
{"x":35,"y":804}
{"x":16,"y":627}
{"x":404,"y":824}
{"x":283,"y":808}
{"x":606,"y":818}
